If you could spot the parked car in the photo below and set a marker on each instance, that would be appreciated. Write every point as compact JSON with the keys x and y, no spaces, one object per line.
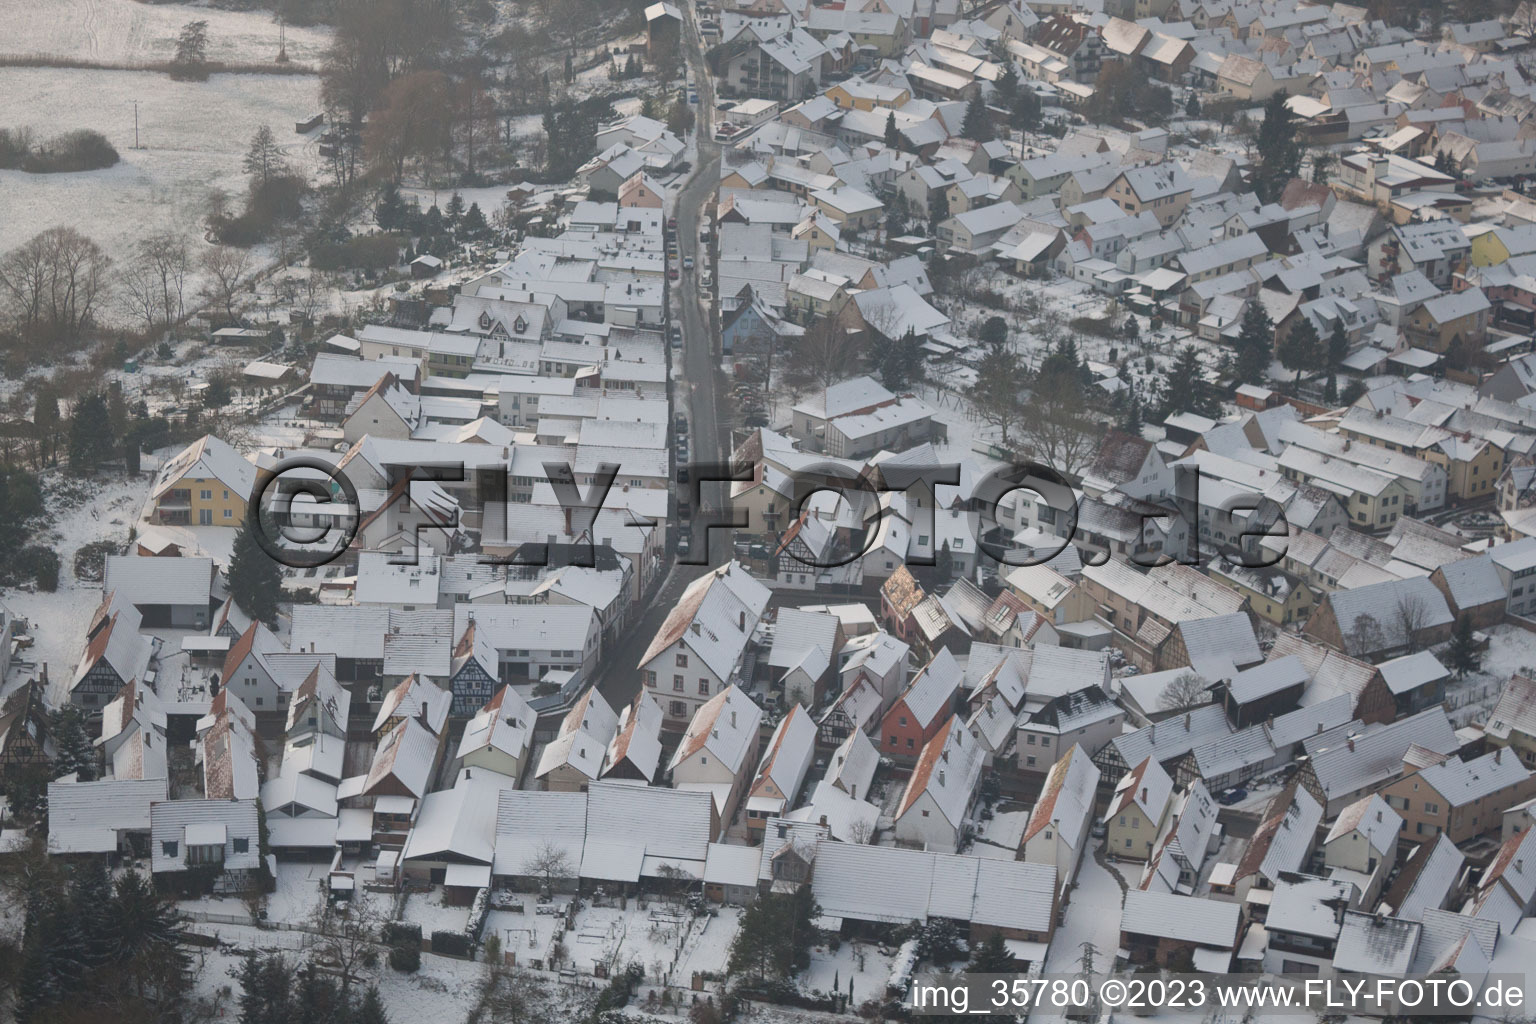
{"x":680,"y":423}
{"x":1232,"y":796}
{"x":687,"y":262}
{"x":671,"y":223}
{"x":684,"y":542}
{"x":672,"y":274}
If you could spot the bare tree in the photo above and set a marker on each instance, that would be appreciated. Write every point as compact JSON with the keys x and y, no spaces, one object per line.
{"x":1411,"y":616}
{"x":1057,"y":422}
{"x":152,"y":287}
{"x":349,"y":941}
{"x":225,"y":266}
{"x":1186,"y":691}
{"x":827,"y":353}
{"x":548,"y":863}
{"x":1366,"y":635}
{"x":861,"y":832}
{"x":53,"y":283}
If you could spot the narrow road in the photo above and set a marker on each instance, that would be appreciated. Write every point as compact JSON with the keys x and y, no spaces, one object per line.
{"x":696,"y":391}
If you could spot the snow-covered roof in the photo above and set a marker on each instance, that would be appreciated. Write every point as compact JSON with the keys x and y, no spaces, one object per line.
{"x":1204,"y":922}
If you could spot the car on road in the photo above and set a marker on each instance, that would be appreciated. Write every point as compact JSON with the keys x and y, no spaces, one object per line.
{"x":671,"y":223}
{"x":672,"y":274}
{"x":682,"y":478}
{"x":676,"y":334}
{"x":706,"y":278}
{"x":687,"y":262}
{"x":684,"y":542}
{"x":680,"y":423}
{"x":1232,"y":796}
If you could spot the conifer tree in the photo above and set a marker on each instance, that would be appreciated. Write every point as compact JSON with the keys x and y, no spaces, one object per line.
{"x":255,"y":581}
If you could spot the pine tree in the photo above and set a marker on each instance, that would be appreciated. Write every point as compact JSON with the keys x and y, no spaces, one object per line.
{"x":1007,"y":84}
{"x":371,"y":1009}
{"x":455,"y":208}
{"x":90,"y":435}
{"x":390,"y":211}
{"x":992,"y":956}
{"x":264,"y":160}
{"x":1185,"y":389}
{"x":1132,"y":421}
{"x":1192,"y":108}
{"x":255,"y":581}
{"x":977,"y":125}
{"x":75,"y":755}
{"x":474,"y":224}
{"x":1025,"y":112}
{"x":1279,"y":155}
{"x":1338,"y":348}
{"x":892,"y":136}
{"x":1301,"y":349}
{"x":1462,"y":652}
{"x":1255,"y":342}
{"x":938,"y":208}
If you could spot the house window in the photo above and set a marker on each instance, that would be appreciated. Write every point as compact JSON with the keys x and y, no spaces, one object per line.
{"x":677,"y":684}
{"x":910,"y":744}
{"x":260,"y":701}
{"x":650,"y":678}
{"x":169,"y":848}
{"x":925,"y":814}
{"x":678,"y":709}
{"x":205,"y":495}
{"x":703,"y":687}
{"x":243,"y":845}
{"x":229,"y":514}
{"x":682,"y":660}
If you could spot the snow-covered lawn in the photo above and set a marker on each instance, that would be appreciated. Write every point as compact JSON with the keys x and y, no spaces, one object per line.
{"x":1510,"y":650}
{"x":194,"y":136}
{"x":119,"y":31}
{"x":428,"y":910}
{"x":102,"y":507}
{"x":862,"y":962}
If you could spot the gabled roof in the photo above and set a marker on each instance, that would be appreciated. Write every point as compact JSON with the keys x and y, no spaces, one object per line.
{"x":948,"y":770}
{"x":1373,"y":818}
{"x":724,"y":726}
{"x":1067,"y":797}
{"x":209,"y":458}
{"x":504,"y":724}
{"x":1146,"y":786}
{"x":788,"y":757}
{"x":934,"y":688}
{"x":407,"y":754}
{"x":415,"y":697}
{"x":715,"y":617}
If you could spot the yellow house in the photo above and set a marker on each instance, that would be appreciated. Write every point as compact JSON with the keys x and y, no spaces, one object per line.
{"x":1137,"y":810}
{"x":1492,"y":245}
{"x":817,"y":232}
{"x":207,"y":484}
{"x":856,"y":94}
{"x":1472,"y":464}
{"x":1162,"y":189}
{"x":1272,"y":594}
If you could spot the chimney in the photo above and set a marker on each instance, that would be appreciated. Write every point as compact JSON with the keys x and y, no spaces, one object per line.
{"x":823,"y":821}
{"x":733,"y":719}
{"x":1351,"y":744}
{"x":1498,"y":755}
{"x":1143,"y":793}
{"x":941,"y":776}
{"x":1378,"y":816}
{"x":1189,"y":716}
{"x":741,"y":621}
{"x":567,"y":521}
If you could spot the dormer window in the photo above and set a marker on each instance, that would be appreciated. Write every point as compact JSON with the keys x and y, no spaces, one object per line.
{"x":485,"y":321}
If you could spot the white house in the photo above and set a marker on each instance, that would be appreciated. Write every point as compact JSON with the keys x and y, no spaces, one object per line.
{"x":697,"y":652}
{"x":942,"y":790}
{"x":783,"y":768}
{"x":718,"y":751}
{"x":1057,"y":833}
{"x":498,"y":737}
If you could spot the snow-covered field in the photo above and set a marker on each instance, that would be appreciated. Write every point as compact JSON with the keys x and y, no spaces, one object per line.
{"x":194,"y":134}
{"x":82,"y":511}
{"x":122,"y":31}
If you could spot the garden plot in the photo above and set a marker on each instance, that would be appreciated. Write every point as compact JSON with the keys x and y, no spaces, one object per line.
{"x":851,"y":961}
{"x":194,"y":134}
{"x":126,"y":31}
